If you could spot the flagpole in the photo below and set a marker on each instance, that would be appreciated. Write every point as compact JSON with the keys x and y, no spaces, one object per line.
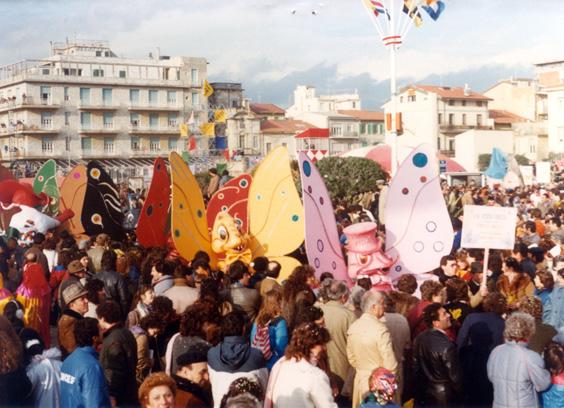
{"x":393,"y":91}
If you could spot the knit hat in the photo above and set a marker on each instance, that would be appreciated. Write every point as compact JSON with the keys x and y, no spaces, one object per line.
{"x":75,"y":266}
{"x":73,"y":292}
{"x":196,"y":354}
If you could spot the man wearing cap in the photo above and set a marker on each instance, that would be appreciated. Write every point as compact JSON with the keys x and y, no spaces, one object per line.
{"x":192,"y":379}
{"x":74,"y":297}
{"x":76,"y":272}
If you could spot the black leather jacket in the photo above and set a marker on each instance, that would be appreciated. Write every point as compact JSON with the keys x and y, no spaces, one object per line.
{"x":436,"y":369}
{"x":116,"y":289}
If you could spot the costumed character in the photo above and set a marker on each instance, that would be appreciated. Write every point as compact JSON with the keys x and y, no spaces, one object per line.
{"x":152,"y":228}
{"x":12,"y":191}
{"x":45,"y":181}
{"x":34,"y":294}
{"x":228,"y":242}
{"x":418,"y":226}
{"x":275,"y":212}
{"x":365,"y":256}
{"x":72,"y":192}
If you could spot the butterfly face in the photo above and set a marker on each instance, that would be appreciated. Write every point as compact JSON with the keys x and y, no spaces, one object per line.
{"x":227,"y":236}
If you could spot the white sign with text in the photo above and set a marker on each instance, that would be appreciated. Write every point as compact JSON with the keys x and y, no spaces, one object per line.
{"x":488,"y":227}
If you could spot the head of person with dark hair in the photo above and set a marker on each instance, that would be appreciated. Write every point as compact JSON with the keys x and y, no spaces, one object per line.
{"x":209,"y":288}
{"x":544,"y":281}
{"x":436,"y":317}
{"x":158,"y":269}
{"x":259,"y":264}
{"x":308,"y":342}
{"x":243,"y":386}
{"x":233,"y":324}
{"x":32,"y":344}
{"x":109,"y":314}
{"x":152,"y":324}
{"x":201,"y":268}
{"x":530,"y":227}
{"x":447,"y":267}
{"x":163,"y":307}
{"x":495,"y":302}
{"x":201,"y":256}
{"x":38,"y":239}
{"x":364,"y":283}
{"x":457,"y":290}
{"x":182,"y":271}
{"x":511,"y":265}
{"x":433,"y":291}
{"x":310,"y":314}
{"x":14,"y":312}
{"x":407,"y":284}
{"x":273,"y":269}
{"x":95,"y":289}
{"x":520,"y":251}
{"x":108,"y":261}
{"x":302,"y":278}
{"x":86,"y":332}
{"x":325,"y":275}
{"x":197,"y":317}
{"x":554,"y":358}
{"x":239,"y":273}
{"x":475,"y":255}
{"x":158,"y":390}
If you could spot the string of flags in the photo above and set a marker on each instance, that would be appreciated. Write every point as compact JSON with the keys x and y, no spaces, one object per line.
{"x":433,"y":8}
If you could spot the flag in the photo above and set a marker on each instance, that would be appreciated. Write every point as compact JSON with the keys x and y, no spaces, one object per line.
{"x":208,"y":90}
{"x":434,"y":8}
{"x":410,"y":8}
{"x":191,"y":120}
{"x":183,"y":130}
{"x":376,"y":7}
{"x":219,"y":116}
{"x":192,"y":143}
{"x":208,"y":129}
{"x":226,"y":154}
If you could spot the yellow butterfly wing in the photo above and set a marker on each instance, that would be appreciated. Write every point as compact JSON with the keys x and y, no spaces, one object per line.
{"x":276,"y":214}
{"x":188,"y":212}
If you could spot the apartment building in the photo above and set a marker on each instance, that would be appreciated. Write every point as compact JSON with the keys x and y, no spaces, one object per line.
{"x":550,"y":77}
{"x":436,"y":114}
{"x":372,"y":125}
{"x":86,"y":102}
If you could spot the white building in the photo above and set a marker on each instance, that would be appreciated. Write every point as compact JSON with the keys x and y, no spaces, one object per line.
{"x":472,"y":143}
{"x":518,"y":96}
{"x":85,"y":102}
{"x":551,"y":81}
{"x":306,"y":100}
{"x":435,"y":115}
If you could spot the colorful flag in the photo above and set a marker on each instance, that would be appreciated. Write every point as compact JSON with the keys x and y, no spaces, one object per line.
{"x":226,"y":155}
{"x":192,"y":143}
{"x":410,"y":8}
{"x":191,"y":120}
{"x":434,"y":8}
{"x":208,"y":129}
{"x":377,"y":7}
{"x":219,"y":116}
{"x":183,"y":130}
{"x":208,"y":90}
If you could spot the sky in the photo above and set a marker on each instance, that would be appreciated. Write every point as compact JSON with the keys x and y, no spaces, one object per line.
{"x":271,"y":50}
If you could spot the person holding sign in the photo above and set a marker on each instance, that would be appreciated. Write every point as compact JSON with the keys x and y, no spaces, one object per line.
{"x":514,"y":284}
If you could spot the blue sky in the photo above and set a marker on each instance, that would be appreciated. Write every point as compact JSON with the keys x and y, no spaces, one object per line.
{"x":262,"y":44}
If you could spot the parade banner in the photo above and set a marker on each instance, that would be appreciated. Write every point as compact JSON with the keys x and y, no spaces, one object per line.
{"x":488,"y":227}
{"x":543,"y":172}
{"x":527,"y":173}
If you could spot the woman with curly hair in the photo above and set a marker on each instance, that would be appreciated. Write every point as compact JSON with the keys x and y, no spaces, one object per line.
{"x":296,"y":381}
{"x":514,"y":284}
{"x":157,"y":391}
{"x":244,"y":386}
{"x":15,"y":387}
{"x":297,"y":287}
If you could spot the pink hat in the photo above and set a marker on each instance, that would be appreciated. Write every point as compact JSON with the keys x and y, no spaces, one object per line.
{"x":362,"y":238}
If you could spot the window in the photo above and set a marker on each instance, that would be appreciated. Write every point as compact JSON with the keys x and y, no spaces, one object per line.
{"x":45,"y":71}
{"x":401,"y":99}
{"x":98,"y":53}
{"x":255,"y":141}
{"x":67,"y":118}
{"x":45,"y":93}
{"x":154,"y":144}
{"x":171,"y":97}
{"x":241,"y":141}
{"x":464,"y":119}
{"x":463,"y":103}
{"x":363,"y":128}
{"x":479,"y":120}
{"x":153,"y":120}
{"x":451,"y":119}
{"x":411,"y":98}
{"x":66,"y":93}
{"x":172,"y":120}
{"x":336,"y":130}
{"x":107,"y":96}
{"x":194,"y":76}
{"x":440,"y":119}
{"x":353,"y":105}
{"x":85,"y":120}
{"x":135,"y":145}
{"x":46,"y":120}
{"x":451,"y":102}
{"x":84,"y":95}
{"x":67,"y":143}
{"x":172,"y":143}
{"x":47,"y":145}
{"x":122,"y":74}
{"x":108,"y":120}
{"x":268,"y":147}
{"x":479,"y":103}
{"x":134,"y":119}
{"x":106,"y":53}
{"x":108,"y":145}
{"x":98,"y":72}
{"x":195,"y":98}
{"x":134,"y":96}
{"x":153,"y":97}
{"x":86,"y":144}
{"x":242,"y":124}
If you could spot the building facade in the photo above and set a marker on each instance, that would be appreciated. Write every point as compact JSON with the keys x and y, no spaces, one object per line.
{"x":85,"y":102}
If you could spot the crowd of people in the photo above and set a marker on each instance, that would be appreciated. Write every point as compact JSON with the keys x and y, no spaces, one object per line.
{"x":98,"y":323}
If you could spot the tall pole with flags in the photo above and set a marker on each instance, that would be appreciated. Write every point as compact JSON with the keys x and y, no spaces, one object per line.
{"x":393,"y":20}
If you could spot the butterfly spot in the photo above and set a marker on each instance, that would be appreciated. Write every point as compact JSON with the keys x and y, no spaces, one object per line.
{"x":317,"y":262}
{"x":160,"y":205}
{"x":423,"y":179}
{"x":224,"y":208}
{"x":320,"y":245}
{"x":405,"y":191}
{"x":334,"y":265}
{"x":176,"y":233}
{"x":76,"y":175}
{"x":283,"y":192}
{"x":418,"y":246}
{"x":243,"y":183}
{"x":431,"y":226}
{"x":321,"y":201}
{"x":199,"y":213}
{"x":309,"y":189}
{"x":420,"y":160}
{"x":150,"y":210}
{"x":220,"y":196}
{"x":259,"y":197}
{"x":295,"y":218}
{"x":438,"y":246}
{"x":307,"y":168}
{"x":181,"y":206}
{"x":398,"y":268}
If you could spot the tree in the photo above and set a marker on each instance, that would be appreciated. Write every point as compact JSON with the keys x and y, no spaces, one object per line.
{"x":346,"y":177}
{"x":484,"y":161}
{"x":522,"y":160}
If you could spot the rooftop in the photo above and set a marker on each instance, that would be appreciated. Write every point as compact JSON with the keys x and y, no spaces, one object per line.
{"x":267,"y":108}
{"x":284,"y":127}
{"x":363,"y":114}
{"x":503,"y":117}
{"x":447,"y":92}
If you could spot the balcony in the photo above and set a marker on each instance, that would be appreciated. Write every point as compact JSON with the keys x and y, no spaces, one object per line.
{"x":27,"y":103}
{"x":44,"y":127}
{"x":156,"y":130}
{"x":98,"y":154}
{"x":88,"y":106}
{"x":345,"y":135}
{"x":154,"y":107}
{"x":446,"y":128}
{"x":447,"y":153}
{"x":154,"y":152}
{"x":106,"y":128}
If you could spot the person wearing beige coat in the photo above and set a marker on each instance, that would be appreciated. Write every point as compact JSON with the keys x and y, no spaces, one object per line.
{"x":369,"y":344}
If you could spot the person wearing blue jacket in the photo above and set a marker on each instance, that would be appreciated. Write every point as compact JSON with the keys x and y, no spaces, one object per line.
{"x":269,"y":320}
{"x":83,"y":384}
